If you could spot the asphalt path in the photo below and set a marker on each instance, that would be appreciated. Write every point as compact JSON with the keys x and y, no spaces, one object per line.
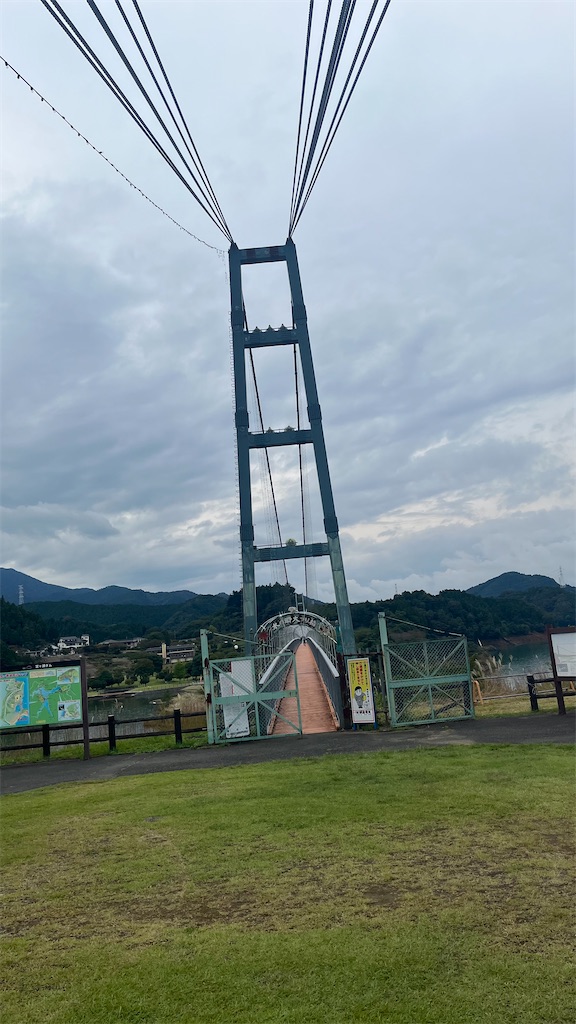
{"x":521,"y":729}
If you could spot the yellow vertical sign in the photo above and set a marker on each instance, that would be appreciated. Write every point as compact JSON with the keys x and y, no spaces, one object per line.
{"x":360,"y":683}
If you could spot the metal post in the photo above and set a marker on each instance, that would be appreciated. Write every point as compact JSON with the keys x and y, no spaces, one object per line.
{"x":243,"y":449}
{"x":532,"y":693}
{"x":383,"y":630}
{"x":111,"y":733}
{"x":205,"y":655}
{"x":46,"y":740}
{"x":178,"y":725}
{"x":85,"y":715}
{"x":557,"y":680}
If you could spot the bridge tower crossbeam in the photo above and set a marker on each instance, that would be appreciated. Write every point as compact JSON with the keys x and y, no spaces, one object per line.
{"x":242,"y":341}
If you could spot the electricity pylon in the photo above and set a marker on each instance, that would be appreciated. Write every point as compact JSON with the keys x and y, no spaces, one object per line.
{"x":243,"y":340}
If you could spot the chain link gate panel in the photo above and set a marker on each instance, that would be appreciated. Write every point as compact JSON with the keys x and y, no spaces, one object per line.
{"x":428,"y":681}
{"x":243,"y":697}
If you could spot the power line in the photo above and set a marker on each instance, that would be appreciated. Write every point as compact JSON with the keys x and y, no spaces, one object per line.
{"x":109,"y":162}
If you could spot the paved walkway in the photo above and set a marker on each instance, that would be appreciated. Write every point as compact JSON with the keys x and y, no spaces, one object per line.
{"x":314,"y":708}
{"x":545,"y":728}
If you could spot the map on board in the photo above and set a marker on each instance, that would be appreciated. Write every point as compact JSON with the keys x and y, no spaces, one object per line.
{"x":39,"y":696}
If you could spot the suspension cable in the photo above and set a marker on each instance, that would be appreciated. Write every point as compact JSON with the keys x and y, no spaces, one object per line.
{"x":202,"y":185}
{"x":314,"y":88}
{"x":330,"y":138}
{"x":88,"y":53}
{"x":199,"y":163}
{"x":311,"y":163}
{"x":341,"y":28}
{"x":100,"y":153}
{"x":108,"y":31}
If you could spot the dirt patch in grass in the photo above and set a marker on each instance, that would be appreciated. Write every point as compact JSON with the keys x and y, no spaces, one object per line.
{"x":490,"y":879}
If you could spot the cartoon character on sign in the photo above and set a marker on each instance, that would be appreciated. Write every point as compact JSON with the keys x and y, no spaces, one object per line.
{"x":361,"y":701}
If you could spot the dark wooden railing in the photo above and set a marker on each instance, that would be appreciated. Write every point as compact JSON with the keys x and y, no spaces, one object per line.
{"x":177,"y":730}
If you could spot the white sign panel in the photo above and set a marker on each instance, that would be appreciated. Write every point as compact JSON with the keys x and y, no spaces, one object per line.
{"x":360,"y":685}
{"x":564,"y":647}
{"x":240,"y":684}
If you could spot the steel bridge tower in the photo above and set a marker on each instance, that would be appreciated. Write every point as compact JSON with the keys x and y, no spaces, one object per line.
{"x":243,"y":340}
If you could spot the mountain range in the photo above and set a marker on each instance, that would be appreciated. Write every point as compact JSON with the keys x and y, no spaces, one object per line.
{"x":35,"y":590}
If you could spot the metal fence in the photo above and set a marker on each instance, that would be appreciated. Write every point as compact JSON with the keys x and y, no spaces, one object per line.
{"x":244,"y":696}
{"x":428,"y":681}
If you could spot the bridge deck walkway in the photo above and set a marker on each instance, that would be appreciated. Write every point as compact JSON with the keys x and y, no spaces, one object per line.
{"x":314,"y":707}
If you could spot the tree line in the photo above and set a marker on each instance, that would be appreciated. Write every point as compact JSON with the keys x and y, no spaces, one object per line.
{"x":410,"y":615}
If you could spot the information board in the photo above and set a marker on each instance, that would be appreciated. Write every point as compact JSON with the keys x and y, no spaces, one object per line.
{"x":360,"y":683}
{"x":241,"y":684}
{"x":563,"y":646}
{"x":51,"y":695}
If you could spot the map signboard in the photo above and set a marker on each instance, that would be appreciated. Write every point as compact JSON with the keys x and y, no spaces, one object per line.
{"x":49,"y":695}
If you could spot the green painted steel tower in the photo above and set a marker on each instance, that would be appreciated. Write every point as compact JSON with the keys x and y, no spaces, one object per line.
{"x":243,"y":340}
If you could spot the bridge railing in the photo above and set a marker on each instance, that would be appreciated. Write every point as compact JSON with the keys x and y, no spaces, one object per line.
{"x":278,"y":632}
{"x":286,"y":631}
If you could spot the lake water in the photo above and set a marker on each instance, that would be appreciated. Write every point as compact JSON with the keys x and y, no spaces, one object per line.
{"x":505,"y":671}
{"x":526,"y":659}
{"x":145,"y":705}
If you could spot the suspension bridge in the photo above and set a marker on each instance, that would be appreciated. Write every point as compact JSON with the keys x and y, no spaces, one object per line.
{"x":292,"y":676}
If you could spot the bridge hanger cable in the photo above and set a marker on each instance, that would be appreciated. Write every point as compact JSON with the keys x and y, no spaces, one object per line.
{"x":300,"y":466}
{"x":269,"y":467}
{"x":109,"y":162}
{"x":88,"y":53}
{"x":310,"y":163}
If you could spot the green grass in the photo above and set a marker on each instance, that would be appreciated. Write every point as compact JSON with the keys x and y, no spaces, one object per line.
{"x":420,"y":887}
{"x":517,"y":705}
{"x":145,"y":744}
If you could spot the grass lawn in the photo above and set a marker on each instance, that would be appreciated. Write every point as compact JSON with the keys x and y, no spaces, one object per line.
{"x":141,"y":745}
{"x":420,"y":887}
{"x":517,"y":705}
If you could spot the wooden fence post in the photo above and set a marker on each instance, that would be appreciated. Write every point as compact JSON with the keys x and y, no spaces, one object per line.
{"x":178,"y":725}
{"x":532,"y":693}
{"x":111,"y":732}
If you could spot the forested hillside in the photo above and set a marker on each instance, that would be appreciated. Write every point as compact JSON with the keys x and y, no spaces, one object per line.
{"x":121,"y":622}
{"x":409,"y":615}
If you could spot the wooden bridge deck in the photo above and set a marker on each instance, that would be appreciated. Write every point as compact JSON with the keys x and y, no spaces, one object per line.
{"x":314,"y":706}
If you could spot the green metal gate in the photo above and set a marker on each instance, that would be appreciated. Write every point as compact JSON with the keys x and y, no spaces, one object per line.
{"x":243,"y":697}
{"x":428,"y":681}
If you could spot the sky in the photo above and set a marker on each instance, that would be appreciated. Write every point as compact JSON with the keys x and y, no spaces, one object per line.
{"x":436,"y":256}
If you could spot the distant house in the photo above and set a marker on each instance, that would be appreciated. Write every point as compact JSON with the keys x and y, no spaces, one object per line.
{"x":183,"y":650}
{"x":72,"y":643}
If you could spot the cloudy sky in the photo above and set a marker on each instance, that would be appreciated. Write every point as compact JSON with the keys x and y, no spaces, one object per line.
{"x":436,"y":256}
